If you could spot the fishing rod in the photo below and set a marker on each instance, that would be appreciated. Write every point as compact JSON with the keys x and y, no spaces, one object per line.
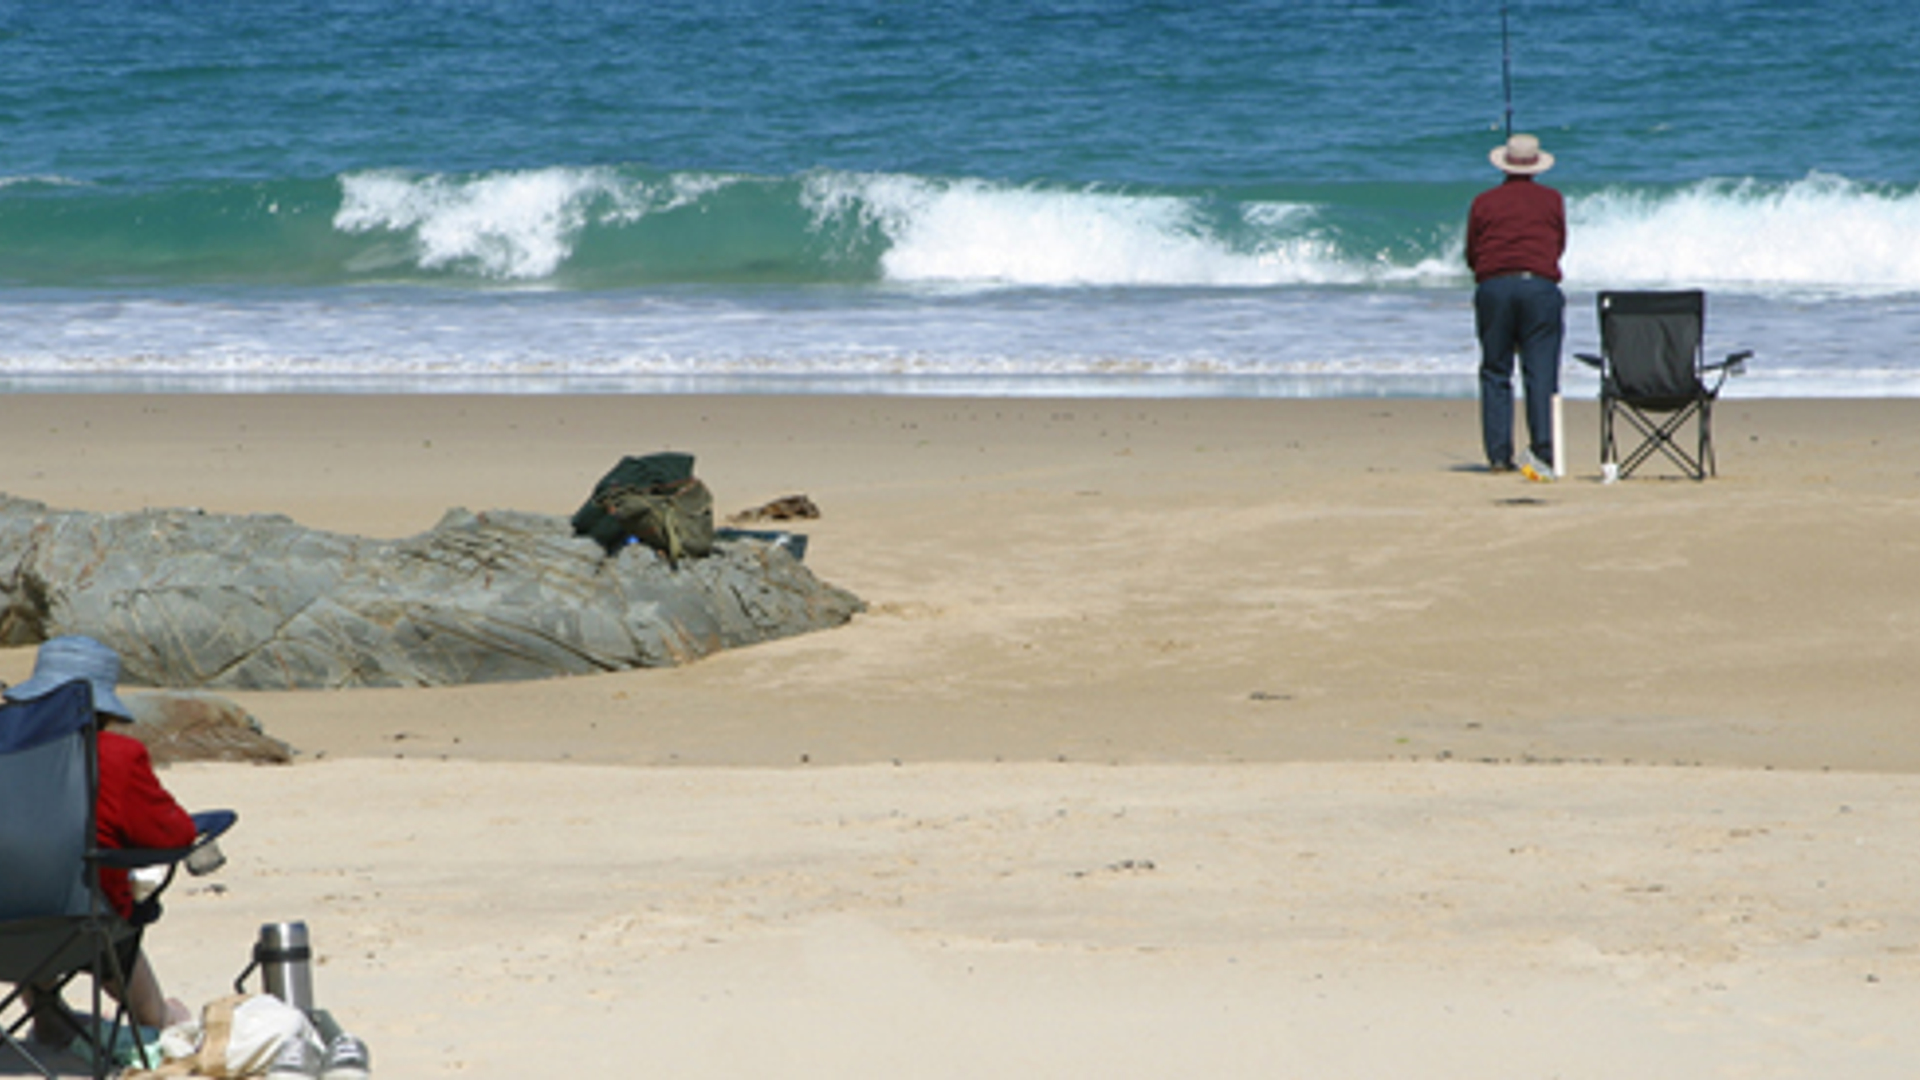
{"x":1559,"y":467}
{"x":1506,"y":68}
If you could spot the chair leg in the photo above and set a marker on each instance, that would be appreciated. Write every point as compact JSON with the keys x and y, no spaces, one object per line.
{"x":103,"y":1046}
{"x":121,"y":975}
{"x":44,"y":979}
{"x":1708,"y":466}
{"x":1659,"y":436}
{"x":1608,"y":452}
{"x":19,"y":1047}
{"x":11,"y":1033}
{"x":47,"y":1005}
{"x":1650,"y":441}
{"x":99,"y":1035}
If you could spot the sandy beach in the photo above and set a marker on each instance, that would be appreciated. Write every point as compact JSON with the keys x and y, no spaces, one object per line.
{"x":1226,"y":738}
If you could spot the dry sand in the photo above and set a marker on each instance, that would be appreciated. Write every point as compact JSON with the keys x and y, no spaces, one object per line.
{"x":1183,"y":738}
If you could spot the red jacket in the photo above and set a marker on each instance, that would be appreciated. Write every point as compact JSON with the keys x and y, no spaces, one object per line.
{"x":1518,"y":227}
{"x":134,"y":811}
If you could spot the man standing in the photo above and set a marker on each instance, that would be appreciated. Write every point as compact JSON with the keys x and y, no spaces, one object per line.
{"x":1516,"y":233}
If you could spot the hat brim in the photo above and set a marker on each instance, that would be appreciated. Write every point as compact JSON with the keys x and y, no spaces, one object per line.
{"x":1539,"y":164}
{"x":39,"y":686}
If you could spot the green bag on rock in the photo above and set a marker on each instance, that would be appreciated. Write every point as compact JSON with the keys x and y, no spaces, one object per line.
{"x":654,"y":499}
{"x":674,"y":518}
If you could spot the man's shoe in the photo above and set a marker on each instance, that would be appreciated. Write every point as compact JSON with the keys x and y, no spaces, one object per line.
{"x":347,"y":1059}
{"x":298,"y":1056}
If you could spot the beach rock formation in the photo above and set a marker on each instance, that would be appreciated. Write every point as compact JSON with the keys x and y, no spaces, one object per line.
{"x":193,"y":725}
{"x":192,"y":599}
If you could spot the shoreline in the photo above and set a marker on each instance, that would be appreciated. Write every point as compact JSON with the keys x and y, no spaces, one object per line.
{"x":1578,"y":385}
{"x":1103,"y":386}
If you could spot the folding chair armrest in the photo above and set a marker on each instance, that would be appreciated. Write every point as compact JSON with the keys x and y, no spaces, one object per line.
{"x":1734,"y":364}
{"x":212,"y":824}
{"x":1590,"y":360}
{"x":208,"y":825}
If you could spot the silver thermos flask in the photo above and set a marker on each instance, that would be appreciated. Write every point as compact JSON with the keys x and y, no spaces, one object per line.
{"x":286,"y":963}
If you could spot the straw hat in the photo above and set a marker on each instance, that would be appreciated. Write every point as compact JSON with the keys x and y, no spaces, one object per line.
{"x":61,"y":660}
{"x":1521,"y":156}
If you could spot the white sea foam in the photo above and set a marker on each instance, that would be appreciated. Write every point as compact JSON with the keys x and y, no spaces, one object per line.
{"x":1823,"y":233}
{"x":1820,"y":233}
{"x":508,"y":226}
{"x":513,"y":226}
{"x":1166,"y":342}
{"x":46,"y":180}
{"x":633,"y":200}
{"x":979,"y":232}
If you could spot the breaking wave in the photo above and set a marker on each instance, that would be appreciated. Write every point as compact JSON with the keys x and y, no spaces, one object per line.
{"x":615,"y":227}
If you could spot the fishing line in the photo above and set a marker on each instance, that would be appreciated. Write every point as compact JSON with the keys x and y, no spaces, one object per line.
{"x":1506,"y":68}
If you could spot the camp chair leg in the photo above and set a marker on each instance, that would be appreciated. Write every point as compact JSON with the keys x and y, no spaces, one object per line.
{"x":1708,"y":466}
{"x":11,"y":1033}
{"x":122,"y":976}
{"x":1608,"y":452}
{"x":99,"y":1036}
{"x":48,"y":1000}
{"x":1659,"y":436}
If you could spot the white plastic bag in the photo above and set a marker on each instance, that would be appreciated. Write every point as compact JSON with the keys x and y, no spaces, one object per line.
{"x":238,"y":1036}
{"x":261,"y":1024}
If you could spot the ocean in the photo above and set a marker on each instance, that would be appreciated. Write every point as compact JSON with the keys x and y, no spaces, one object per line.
{"x":1072,"y":197}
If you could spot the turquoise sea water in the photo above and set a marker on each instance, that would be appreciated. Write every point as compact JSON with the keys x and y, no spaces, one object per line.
{"x":1063,"y":197}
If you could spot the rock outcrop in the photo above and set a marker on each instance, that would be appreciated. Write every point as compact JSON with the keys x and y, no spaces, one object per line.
{"x":191,"y":599}
{"x":194,"y":725}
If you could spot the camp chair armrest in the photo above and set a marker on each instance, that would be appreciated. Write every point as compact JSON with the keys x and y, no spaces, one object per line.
{"x":208,"y":825}
{"x":1589,"y":359}
{"x":1734,"y":364}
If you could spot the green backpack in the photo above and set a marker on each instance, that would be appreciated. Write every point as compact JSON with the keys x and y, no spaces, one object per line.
{"x":655,"y":500}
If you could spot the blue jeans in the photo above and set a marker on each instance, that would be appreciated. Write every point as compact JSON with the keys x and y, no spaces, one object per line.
{"x":1525,"y":315}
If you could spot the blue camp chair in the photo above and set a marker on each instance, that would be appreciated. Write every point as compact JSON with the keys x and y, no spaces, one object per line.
{"x":55,"y":922}
{"x":1654,"y":374}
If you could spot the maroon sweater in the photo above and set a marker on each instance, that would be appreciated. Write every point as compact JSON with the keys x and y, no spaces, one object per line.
{"x":1520,"y":226}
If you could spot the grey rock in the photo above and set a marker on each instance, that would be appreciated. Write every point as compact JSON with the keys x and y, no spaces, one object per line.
{"x":193,"y":725}
{"x":192,"y":599}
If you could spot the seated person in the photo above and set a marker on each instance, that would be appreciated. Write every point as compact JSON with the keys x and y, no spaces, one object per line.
{"x":133,"y":811}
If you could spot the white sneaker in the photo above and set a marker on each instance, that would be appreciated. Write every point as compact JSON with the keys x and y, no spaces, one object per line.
{"x":347,"y":1059}
{"x":298,"y":1056}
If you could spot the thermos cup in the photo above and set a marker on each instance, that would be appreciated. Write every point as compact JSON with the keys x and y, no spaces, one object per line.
{"x":286,"y":963}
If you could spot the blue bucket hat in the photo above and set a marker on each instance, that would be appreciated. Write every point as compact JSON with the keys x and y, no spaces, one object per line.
{"x":64,"y":659}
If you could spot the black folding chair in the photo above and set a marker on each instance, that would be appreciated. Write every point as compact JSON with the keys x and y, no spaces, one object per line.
{"x":1653,"y":372}
{"x":55,"y":921}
